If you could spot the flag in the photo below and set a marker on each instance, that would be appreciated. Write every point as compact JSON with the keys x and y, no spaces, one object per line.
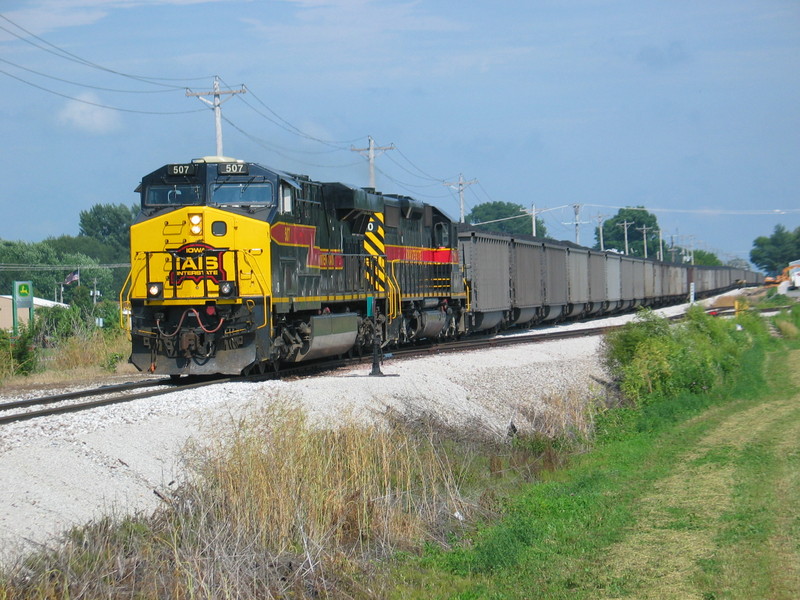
{"x":74,"y":276}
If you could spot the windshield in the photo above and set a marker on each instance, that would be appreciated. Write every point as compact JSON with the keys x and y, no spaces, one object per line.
{"x":243,"y":194}
{"x":174,"y":195}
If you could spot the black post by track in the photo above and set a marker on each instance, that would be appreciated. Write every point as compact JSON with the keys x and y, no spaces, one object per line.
{"x":376,"y":349}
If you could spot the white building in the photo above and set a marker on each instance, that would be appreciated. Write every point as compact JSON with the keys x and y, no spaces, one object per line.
{"x":7,"y":310}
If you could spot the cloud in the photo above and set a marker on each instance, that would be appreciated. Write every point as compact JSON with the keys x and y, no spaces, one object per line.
{"x":45,"y":16}
{"x":85,"y":114}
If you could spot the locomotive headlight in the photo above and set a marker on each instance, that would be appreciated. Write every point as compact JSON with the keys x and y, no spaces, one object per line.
{"x":155,"y":290}
{"x":196,"y":224}
{"x":227,"y":289}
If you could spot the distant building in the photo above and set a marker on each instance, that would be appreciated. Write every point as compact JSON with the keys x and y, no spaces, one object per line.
{"x":794,"y":275}
{"x":7,"y":308}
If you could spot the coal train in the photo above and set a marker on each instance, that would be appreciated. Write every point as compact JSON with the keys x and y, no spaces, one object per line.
{"x":239,"y":268}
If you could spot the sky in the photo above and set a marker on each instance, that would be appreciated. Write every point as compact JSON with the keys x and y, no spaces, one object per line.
{"x":690,"y":109}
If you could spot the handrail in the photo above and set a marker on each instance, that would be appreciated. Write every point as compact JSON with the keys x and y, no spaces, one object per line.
{"x":127,"y":301}
{"x":395,"y":293}
{"x":261,"y":282}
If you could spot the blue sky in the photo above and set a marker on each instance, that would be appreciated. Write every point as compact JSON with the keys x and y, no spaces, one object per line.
{"x":691,"y":109}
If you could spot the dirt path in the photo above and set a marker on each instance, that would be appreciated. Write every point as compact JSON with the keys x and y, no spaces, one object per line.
{"x":724,"y":523}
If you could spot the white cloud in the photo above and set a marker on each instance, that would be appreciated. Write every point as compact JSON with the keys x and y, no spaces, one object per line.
{"x":44,"y":16}
{"x":86,"y":114}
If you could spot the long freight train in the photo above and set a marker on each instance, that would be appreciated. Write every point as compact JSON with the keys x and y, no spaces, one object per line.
{"x":239,"y":268}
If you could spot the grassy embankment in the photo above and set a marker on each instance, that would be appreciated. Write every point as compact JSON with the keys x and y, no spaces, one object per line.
{"x":669,"y":500}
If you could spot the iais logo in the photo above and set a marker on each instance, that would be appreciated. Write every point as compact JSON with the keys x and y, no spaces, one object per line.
{"x":196,"y":262}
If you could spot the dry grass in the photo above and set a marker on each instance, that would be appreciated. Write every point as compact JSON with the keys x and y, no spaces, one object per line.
{"x":787,"y":329}
{"x":86,"y":349}
{"x":289,"y":485}
{"x":272,"y":508}
{"x":570,"y":415}
{"x":88,"y":356}
{"x":275,"y":507}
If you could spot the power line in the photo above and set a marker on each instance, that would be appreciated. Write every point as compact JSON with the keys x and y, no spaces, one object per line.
{"x":704,"y":211}
{"x":84,"y":85}
{"x":406,"y":186}
{"x":279,"y":151}
{"x":287,"y":126}
{"x":427,"y":175}
{"x":66,"y":55}
{"x":117,"y":108}
{"x":39,"y":267}
{"x":434,"y":182}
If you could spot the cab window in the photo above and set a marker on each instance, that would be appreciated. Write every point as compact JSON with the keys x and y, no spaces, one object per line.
{"x":287,"y":198}
{"x":243,"y":194}
{"x":174,"y":195}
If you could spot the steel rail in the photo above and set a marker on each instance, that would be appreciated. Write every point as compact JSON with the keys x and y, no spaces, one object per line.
{"x":114,"y":395}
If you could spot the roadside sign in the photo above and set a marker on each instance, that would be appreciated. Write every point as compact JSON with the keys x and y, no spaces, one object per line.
{"x":22,"y":298}
{"x":23,"y":294}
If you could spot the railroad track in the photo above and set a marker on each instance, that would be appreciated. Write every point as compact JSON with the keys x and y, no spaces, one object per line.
{"x":56,"y":404}
{"x":106,"y":395}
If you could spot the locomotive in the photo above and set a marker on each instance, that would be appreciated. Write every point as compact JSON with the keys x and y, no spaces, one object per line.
{"x":236,"y":268}
{"x":239,"y":268}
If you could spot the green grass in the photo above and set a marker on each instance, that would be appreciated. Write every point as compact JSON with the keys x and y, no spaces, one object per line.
{"x":552,"y":539}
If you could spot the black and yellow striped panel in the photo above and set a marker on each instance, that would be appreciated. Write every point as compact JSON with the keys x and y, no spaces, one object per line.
{"x":375,"y":249}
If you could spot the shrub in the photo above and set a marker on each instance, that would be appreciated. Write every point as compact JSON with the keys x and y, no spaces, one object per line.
{"x":651,"y":359}
{"x":18,"y":356}
{"x":619,"y":347}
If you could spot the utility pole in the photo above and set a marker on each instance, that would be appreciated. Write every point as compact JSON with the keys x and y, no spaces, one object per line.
{"x":626,"y":224}
{"x":533,"y":219}
{"x":577,"y":222}
{"x":216,"y":104}
{"x":644,"y":229}
{"x":600,"y":229}
{"x":660,"y":246}
{"x":461,"y":185}
{"x":370,"y":150}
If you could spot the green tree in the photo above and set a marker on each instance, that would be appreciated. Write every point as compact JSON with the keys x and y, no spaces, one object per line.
{"x":738,"y":263}
{"x":108,"y":223}
{"x":83,"y":244}
{"x":772,"y":253}
{"x":516,"y":219}
{"x":709,"y":259}
{"x":636,"y":219}
{"x":100,"y":251}
{"x":47,"y":281}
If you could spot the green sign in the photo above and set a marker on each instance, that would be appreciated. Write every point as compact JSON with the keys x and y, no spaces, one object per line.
{"x":23,"y":294}
{"x":22,"y":298}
